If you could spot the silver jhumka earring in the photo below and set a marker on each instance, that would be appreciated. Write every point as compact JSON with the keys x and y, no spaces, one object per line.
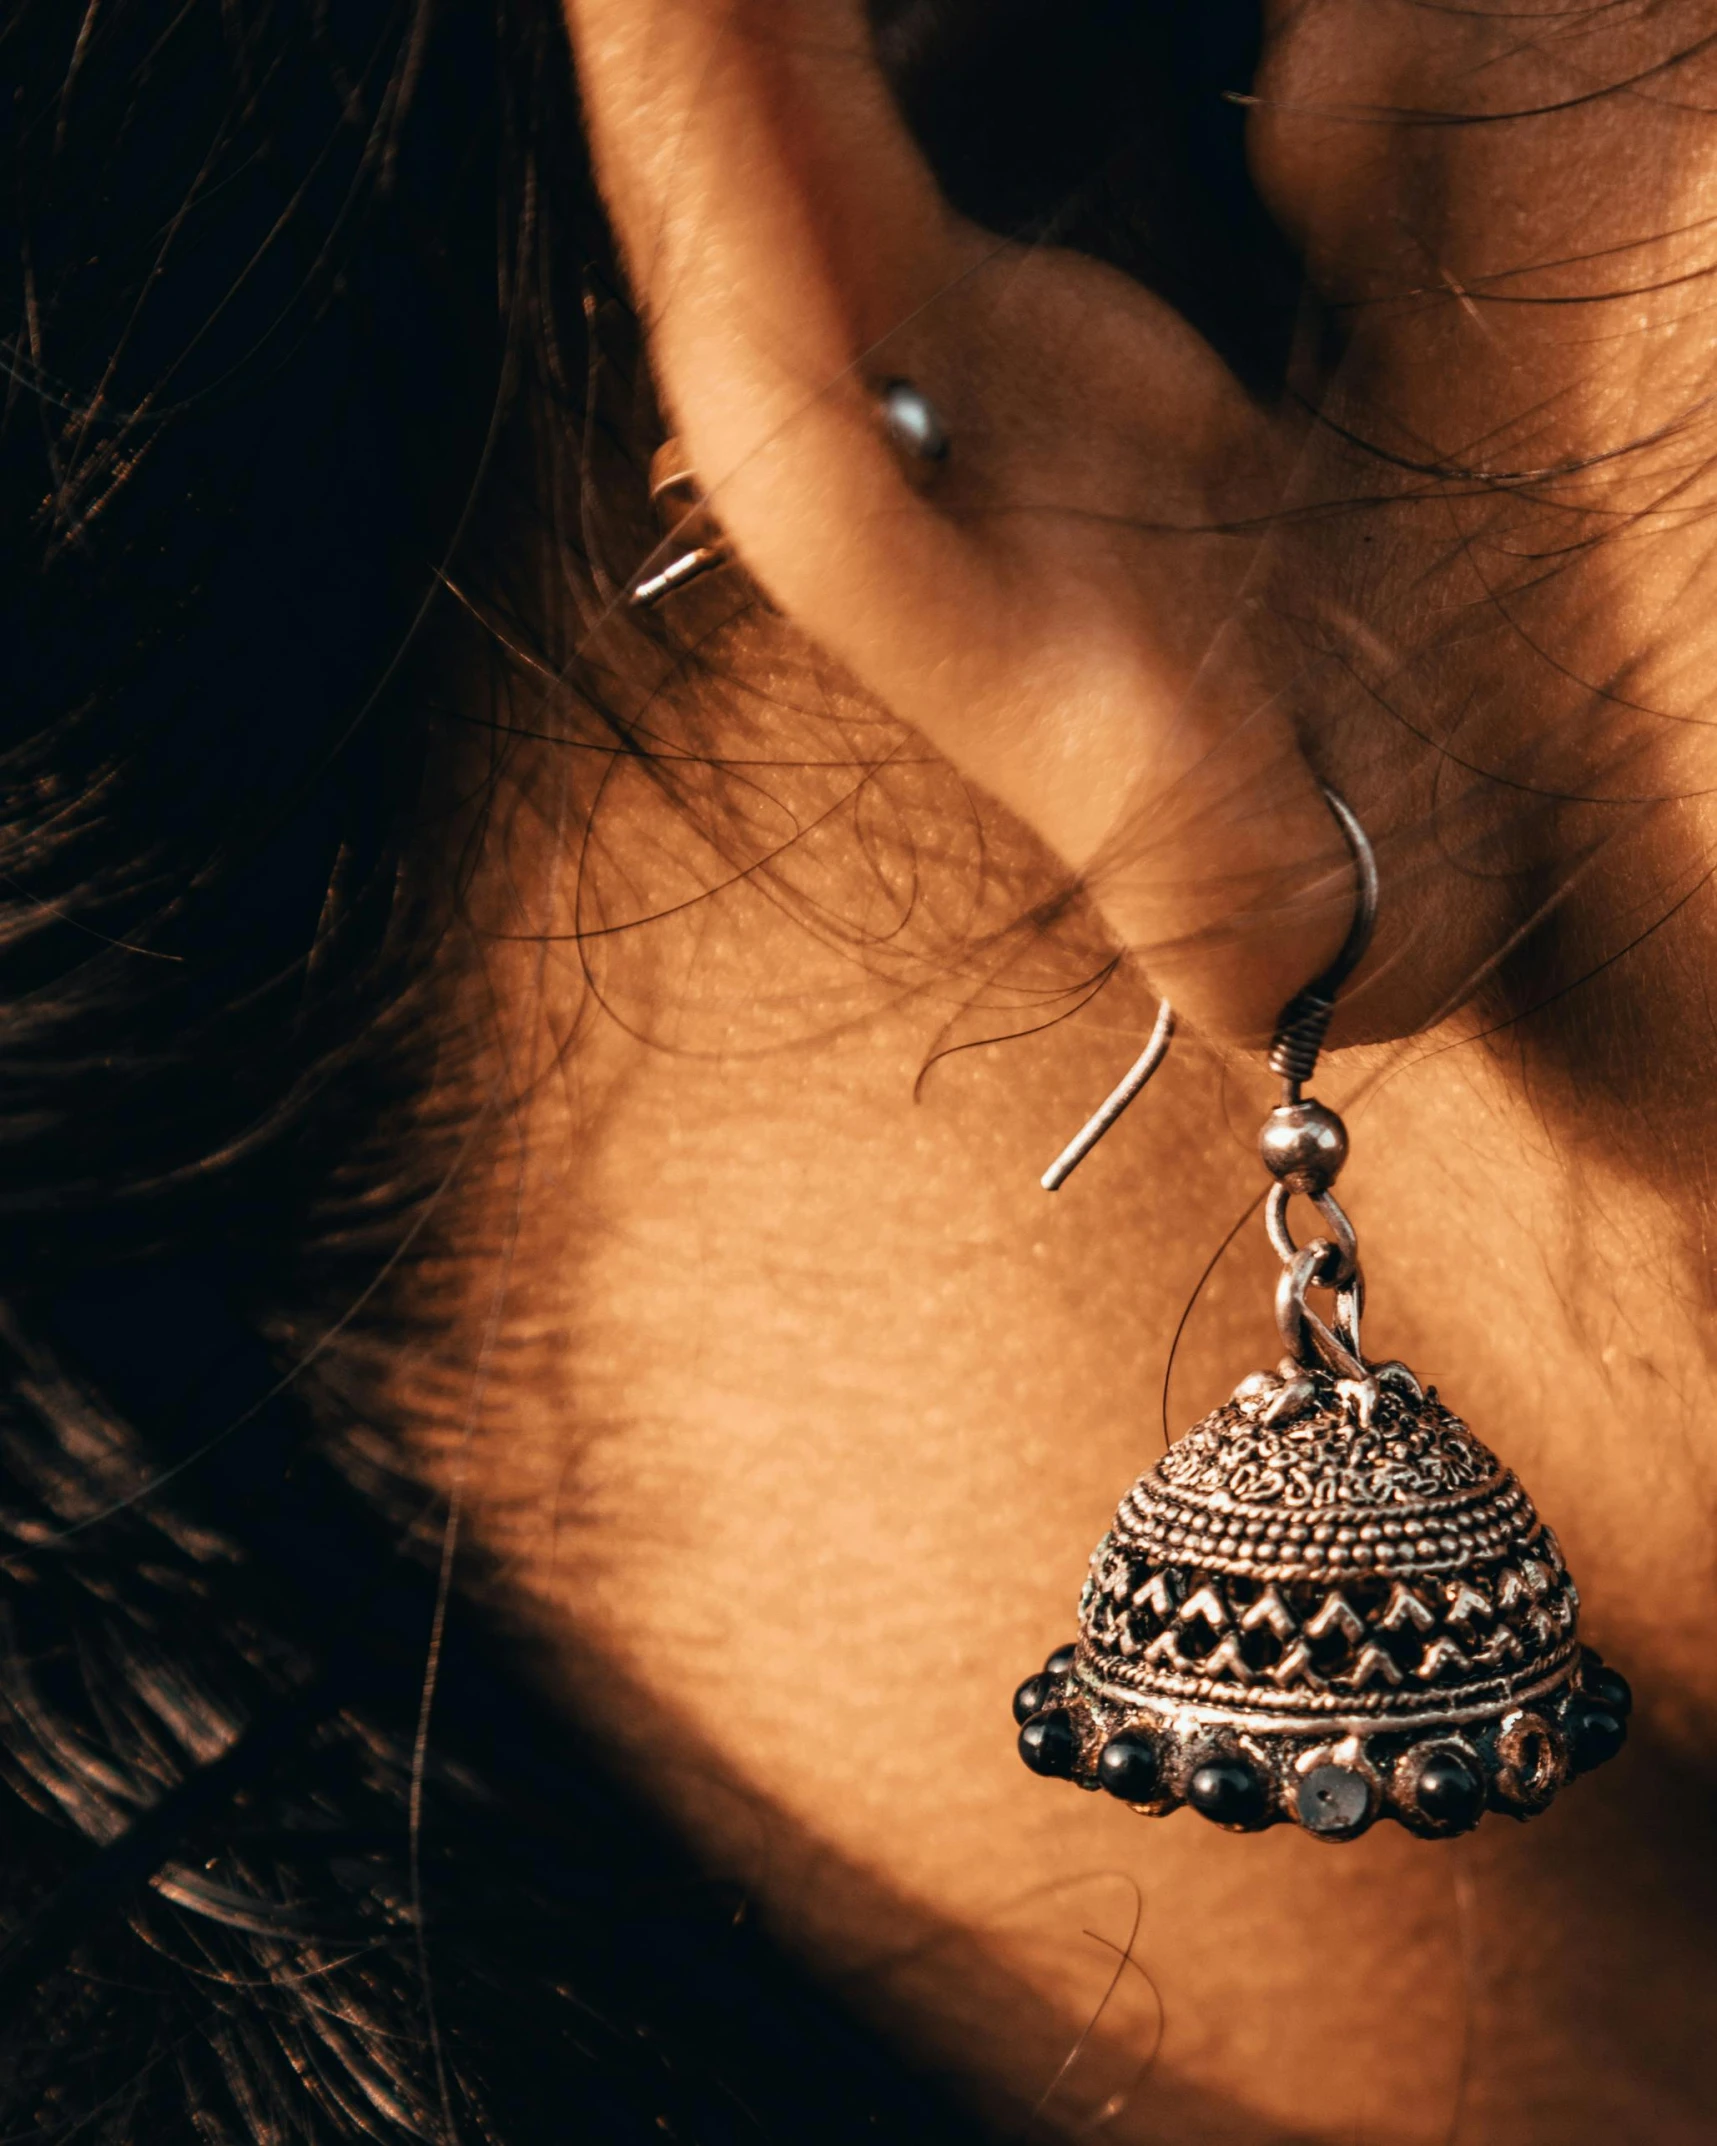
{"x":1328,"y":1603}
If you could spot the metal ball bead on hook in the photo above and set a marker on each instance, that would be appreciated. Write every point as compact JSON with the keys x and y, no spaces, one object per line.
{"x":1303,"y":1146}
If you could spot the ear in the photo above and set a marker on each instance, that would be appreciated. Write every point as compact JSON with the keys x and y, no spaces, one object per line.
{"x":1054,"y":604}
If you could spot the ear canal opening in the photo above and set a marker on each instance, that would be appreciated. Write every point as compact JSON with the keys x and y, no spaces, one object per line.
{"x":1111,"y":128}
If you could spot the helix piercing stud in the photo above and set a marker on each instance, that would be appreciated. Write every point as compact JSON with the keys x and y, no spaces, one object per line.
{"x":912,"y":421}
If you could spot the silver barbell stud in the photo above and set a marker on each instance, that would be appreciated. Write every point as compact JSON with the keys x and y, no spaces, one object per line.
{"x":912,"y":421}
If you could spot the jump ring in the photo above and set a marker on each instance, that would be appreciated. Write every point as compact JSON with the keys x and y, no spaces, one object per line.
{"x":1305,"y":1335}
{"x":1341,"y":1229}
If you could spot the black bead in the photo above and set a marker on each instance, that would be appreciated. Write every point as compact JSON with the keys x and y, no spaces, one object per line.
{"x":1128,"y":1767}
{"x":1594,"y":1735}
{"x":1227,"y":1792}
{"x":1609,"y":1689}
{"x":1030,"y":1696}
{"x":1333,"y":1800}
{"x":1060,"y":1662}
{"x":1046,"y":1744}
{"x":1451,"y":1794}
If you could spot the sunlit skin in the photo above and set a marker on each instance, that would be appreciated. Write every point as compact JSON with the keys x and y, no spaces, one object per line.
{"x":806,"y":1404}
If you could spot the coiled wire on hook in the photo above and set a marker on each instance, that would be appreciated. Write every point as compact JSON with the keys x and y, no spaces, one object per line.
{"x":1304,"y":1021}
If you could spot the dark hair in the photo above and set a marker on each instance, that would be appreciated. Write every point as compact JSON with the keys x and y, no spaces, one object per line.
{"x":268,"y":336}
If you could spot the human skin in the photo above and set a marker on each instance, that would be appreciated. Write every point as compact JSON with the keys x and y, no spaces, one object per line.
{"x":809,"y":1403}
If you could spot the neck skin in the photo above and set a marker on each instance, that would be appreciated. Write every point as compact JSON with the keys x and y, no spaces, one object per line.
{"x":812,"y":1405}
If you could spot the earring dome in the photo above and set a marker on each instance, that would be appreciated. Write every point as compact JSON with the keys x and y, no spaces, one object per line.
{"x":1328,"y":1603}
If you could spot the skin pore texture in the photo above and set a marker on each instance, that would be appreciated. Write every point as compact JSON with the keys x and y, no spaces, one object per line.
{"x":803,"y":1406}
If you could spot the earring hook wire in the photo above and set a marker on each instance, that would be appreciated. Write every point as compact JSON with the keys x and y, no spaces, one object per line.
{"x":1135,"y":1080}
{"x":1300,"y":1028}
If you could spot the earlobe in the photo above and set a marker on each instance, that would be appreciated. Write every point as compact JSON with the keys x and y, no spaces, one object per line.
{"x":1054,"y":607}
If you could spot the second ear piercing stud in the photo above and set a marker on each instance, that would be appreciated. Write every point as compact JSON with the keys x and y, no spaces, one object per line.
{"x":681,"y":508}
{"x":910,"y":421}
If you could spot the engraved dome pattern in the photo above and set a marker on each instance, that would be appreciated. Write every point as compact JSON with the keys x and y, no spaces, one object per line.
{"x":1347,"y":1551}
{"x":1328,"y":1603}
